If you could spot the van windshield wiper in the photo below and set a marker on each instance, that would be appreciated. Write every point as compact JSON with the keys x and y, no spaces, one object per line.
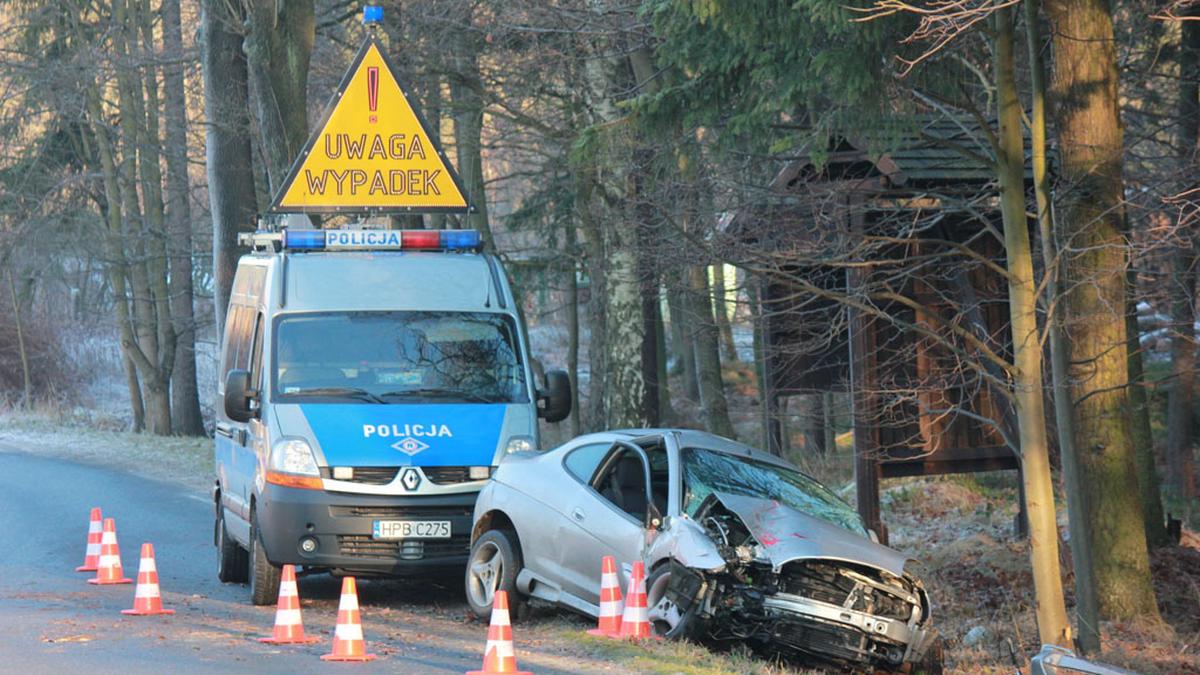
{"x":440,"y":392}
{"x":348,"y":392}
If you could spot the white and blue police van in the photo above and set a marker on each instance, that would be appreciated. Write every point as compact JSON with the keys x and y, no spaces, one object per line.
{"x":371,"y":382}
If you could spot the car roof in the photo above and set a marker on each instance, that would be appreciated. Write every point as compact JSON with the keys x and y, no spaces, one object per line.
{"x":688,"y":438}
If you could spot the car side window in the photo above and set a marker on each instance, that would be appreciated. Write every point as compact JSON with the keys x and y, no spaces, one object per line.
{"x":582,"y":461}
{"x":623,"y":484}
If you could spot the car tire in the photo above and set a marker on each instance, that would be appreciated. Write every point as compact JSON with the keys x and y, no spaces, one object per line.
{"x":264,"y":577}
{"x":232,"y":561}
{"x":493,"y":565}
{"x":685,"y":626}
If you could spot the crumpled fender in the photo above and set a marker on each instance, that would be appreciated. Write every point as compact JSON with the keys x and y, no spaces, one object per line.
{"x":688,"y":543}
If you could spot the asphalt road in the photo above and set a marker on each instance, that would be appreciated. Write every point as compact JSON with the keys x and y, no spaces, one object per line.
{"x":52,"y":621}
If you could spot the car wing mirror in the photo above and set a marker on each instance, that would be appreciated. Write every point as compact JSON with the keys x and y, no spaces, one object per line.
{"x":654,"y":517}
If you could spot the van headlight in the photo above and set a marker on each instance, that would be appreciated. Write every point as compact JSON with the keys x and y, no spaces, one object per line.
{"x":519,"y":444}
{"x":294,"y":456}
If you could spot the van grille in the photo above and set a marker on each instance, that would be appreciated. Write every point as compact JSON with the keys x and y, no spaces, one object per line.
{"x":446,"y":475}
{"x":367,"y":475}
{"x":414,"y":512}
{"x":363,"y":546}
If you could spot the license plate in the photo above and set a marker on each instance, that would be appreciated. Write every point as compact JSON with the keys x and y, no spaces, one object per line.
{"x":411,"y":529}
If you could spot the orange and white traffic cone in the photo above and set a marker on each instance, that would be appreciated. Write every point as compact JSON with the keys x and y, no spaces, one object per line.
{"x":289,"y":628}
{"x":146,"y":598}
{"x":498,"y":655}
{"x":91,"y":558}
{"x":348,"y":643}
{"x":610,"y":600}
{"x":109,"y":570}
{"x":635,"y":623}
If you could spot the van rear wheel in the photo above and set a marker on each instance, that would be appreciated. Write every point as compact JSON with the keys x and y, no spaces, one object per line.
{"x":231,"y":557}
{"x":264,"y":577}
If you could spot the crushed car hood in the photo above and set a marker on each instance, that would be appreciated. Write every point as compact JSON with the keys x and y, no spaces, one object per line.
{"x":787,"y":534}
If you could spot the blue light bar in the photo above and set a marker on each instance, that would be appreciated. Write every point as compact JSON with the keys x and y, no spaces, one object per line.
{"x":304,"y":239}
{"x":378,"y":240}
{"x":458,"y":240}
{"x":372,"y":15}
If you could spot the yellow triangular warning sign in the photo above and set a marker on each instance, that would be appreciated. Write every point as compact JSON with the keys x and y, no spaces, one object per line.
{"x":372,"y":152}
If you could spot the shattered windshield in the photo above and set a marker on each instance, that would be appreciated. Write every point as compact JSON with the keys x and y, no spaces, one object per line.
{"x":705,"y":472}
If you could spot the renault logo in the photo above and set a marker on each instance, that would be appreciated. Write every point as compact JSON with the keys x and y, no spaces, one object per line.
{"x":410,"y":479}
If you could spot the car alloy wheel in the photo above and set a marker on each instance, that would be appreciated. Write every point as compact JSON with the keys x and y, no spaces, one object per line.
{"x":493,"y":565}
{"x":487,"y":566}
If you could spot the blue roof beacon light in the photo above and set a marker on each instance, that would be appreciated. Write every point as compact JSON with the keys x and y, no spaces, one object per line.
{"x":304,"y":239}
{"x":459,"y":240}
{"x":372,"y":15}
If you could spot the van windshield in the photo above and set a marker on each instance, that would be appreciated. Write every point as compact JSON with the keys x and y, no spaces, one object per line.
{"x":398,"y":357}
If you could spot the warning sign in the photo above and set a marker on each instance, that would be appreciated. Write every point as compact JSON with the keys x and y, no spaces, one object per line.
{"x":372,"y":152}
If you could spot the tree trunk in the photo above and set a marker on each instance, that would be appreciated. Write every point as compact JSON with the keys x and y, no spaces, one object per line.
{"x":185,"y":399}
{"x":1053,"y":625}
{"x":708,"y":355}
{"x":681,"y":343}
{"x":137,"y":87}
{"x":720,"y":306}
{"x":1180,"y":459}
{"x":466,"y":102}
{"x":625,"y":384}
{"x":230,"y":165}
{"x":572,"y":303}
{"x":26,"y":379}
{"x":1091,"y":147}
{"x":278,"y":48}
{"x":1149,"y":486}
{"x":1088,"y":638}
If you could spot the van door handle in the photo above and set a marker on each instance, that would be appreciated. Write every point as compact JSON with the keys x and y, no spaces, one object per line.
{"x":224,"y":429}
{"x":577,"y":514}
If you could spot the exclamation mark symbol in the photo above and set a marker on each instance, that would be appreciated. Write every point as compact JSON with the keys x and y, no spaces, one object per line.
{"x":373,"y":92}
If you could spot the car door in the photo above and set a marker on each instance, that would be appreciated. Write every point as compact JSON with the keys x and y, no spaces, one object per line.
{"x":603,"y":528}
{"x":545,"y":555}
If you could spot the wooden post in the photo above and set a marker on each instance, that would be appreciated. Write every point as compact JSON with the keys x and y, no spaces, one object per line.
{"x":863,"y":389}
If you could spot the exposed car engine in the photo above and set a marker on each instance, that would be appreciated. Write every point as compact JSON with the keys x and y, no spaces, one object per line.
{"x":812,"y":611}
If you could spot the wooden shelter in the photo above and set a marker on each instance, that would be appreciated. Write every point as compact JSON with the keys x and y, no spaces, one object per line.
{"x":880,"y":274}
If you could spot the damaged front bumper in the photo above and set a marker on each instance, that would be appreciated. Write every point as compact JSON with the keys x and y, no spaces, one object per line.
{"x":722,"y":608}
{"x":789,"y":586}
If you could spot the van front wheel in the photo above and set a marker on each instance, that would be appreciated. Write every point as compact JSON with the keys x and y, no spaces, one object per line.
{"x":264,"y":577}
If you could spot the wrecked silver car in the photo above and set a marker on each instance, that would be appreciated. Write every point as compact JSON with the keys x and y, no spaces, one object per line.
{"x":740,"y":547}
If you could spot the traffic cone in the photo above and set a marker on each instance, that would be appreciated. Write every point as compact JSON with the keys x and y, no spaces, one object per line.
{"x":610,"y":600}
{"x":498,"y":656}
{"x":109,"y":570}
{"x":289,"y":629}
{"x":146,"y":599}
{"x":635,"y":623}
{"x":348,"y":644}
{"x":91,"y":559}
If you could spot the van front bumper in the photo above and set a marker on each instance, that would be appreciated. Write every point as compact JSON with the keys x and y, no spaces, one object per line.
{"x":342,"y":526}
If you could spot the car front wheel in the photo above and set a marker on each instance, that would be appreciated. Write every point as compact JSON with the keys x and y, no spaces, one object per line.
{"x":666,"y":618}
{"x":493,"y":565}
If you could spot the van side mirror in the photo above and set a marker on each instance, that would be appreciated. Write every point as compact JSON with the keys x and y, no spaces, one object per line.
{"x":238,"y":395}
{"x":557,"y":397}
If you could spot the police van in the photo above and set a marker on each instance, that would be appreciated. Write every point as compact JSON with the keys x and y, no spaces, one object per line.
{"x":371,"y":382}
